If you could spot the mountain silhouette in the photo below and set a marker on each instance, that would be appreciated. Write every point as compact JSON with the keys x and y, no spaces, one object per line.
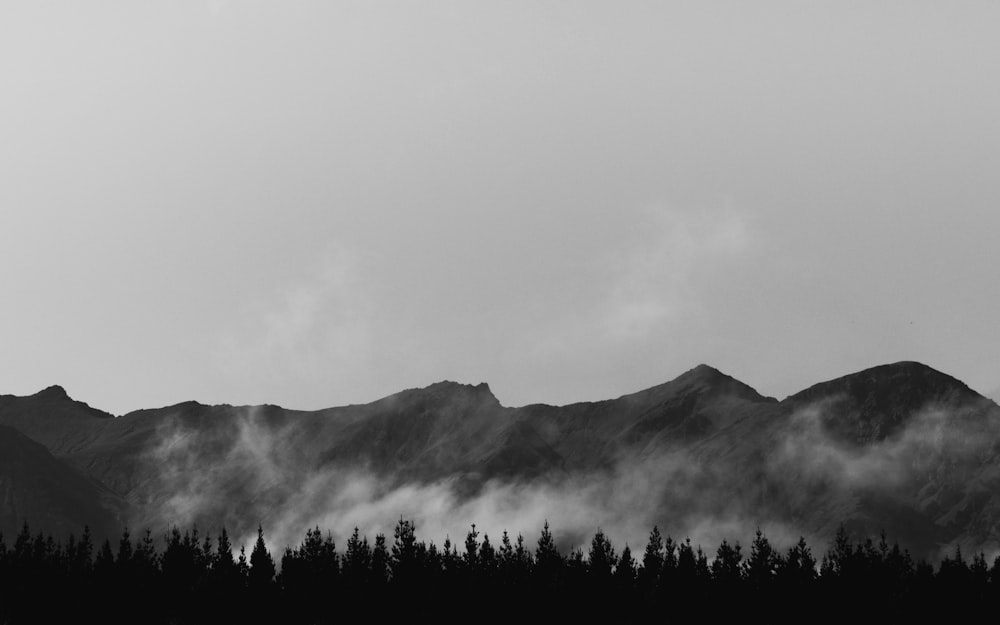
{"x":899,"y":447}
{"x":872,"y":404}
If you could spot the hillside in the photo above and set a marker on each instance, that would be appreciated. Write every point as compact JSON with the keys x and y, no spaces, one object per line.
{"x":899,"y":447}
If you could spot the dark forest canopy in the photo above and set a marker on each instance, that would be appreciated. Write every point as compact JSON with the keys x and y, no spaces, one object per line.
{"x":205,"y":579}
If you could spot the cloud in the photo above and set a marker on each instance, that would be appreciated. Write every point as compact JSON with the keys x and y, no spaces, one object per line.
{"x":252,"y":471}
{"x":934,"y":434}
{"x":658,"y":280}
{"x":307,"y":332}
{"x":798,"y":480}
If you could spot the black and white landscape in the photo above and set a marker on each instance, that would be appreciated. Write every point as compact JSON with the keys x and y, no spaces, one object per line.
{"x":313,"y":306}
{"x":901,"y":449}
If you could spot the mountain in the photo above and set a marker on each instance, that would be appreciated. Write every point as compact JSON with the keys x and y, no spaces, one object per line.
{"x":873,"y":404}
{"x":38,"y":487}
{"x":900,"y":447}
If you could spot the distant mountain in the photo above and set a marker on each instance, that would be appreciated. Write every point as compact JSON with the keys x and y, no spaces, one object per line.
{"x":899,"y":447}
{"x":37,"y":487}
{"x":873,"y":404}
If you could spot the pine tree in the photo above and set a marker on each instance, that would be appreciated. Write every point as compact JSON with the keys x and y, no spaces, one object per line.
{"x":980,"y":577}
{"x":357,"y":559}
{"x":147,"y":560}
{"x":601,"y":558}
{"x":223,"y":561}
{"x":727,"y":568}
{"x":124,"y":559}
{"x":104,"y":564}
{"x":506,"y":552}
{"x":487,"y":560}
{"x":507,"y":561}
{"x":547,"y":559}
{"x":546,"y":552}
{"x":624,"y":576}
{"x":762,"y":565}
{"x":262,"y":569}
{"x":471,"y":555}
{"x":380,"y":562}
{"x":799,"y":566}
{"x":523,"y":561}
{"x":404,"y":553}
{"x":652,"y":559}
{"x":242,"y":566}
{"x":840,"y":558}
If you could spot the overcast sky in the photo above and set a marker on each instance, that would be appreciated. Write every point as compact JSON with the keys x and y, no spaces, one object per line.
{"x":313,"y":204}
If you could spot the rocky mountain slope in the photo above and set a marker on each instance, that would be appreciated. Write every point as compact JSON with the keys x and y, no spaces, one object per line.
{"x":900,"y":447}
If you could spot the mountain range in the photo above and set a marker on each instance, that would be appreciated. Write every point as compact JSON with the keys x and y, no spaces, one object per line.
{"x":900,"y":448}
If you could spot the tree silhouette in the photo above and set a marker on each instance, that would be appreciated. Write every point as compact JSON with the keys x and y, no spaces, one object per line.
{"x":471,"y":555}
{"x":379,"y":574}
{"x":262,"y":568}
{"x":601,"y":559}
{"x":625,"y":577}
{"x":763,"y":563}
{"x":195,"y":580}
{"x":488,"y":563}
{"x":727,"y":568}
{"x":357,"y":560}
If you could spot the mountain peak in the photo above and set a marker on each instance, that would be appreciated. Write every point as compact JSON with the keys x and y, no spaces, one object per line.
{"x":906,"y":378}
{"x":871,"y":404}
{"x":449,"y":389}
{"x":53,"y":392}
{"x":704,"y":371}
{"x":707,"y":378}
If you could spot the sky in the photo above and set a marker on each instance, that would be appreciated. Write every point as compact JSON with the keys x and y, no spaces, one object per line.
{"x":321,"y":203}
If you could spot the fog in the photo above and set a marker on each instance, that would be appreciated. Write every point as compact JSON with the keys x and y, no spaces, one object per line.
{"x":795,"y":480}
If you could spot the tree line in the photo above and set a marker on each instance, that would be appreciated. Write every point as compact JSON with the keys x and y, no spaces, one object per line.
{"x":204,"y":579}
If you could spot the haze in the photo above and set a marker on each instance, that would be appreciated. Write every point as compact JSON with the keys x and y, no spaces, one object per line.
{"x":314,"y":204}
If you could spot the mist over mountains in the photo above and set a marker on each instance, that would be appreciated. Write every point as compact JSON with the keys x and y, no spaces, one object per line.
{"x":901,"y":448}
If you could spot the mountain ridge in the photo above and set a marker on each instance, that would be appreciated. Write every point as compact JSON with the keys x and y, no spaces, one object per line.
{"x":702,"y":374}
{"x":702,"y":445}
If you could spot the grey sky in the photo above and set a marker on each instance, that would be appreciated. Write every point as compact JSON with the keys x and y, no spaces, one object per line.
{"x":313,"y":204}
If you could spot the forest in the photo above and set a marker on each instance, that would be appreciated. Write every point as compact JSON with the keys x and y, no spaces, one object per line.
{"x":190,"y":578}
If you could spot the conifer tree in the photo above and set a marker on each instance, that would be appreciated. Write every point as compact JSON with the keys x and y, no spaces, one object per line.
{"x":839,"y":559}
{"x":670,"y":556}
{"x":471,"y":555}
{"x":652,"y":560}
{"x":487,"y":560}
{"x":506,"y":551}
{"x":380,"y":562}
{"x":727,"y":568}
{"x":547,"y":561}
{"x":404,"y":553}
{"x":574,"y":574}
{"x":601,"y":559}
{"x":262,"y":569}
{"x":146,"y":558}
{"x":242,"y":565}
{"x":624,"y":575}
{"x":124,"y":558}
{"x":510,"y":572}
{"x":798,"y":568}
{"x":83,"y":557}
{"x":223,"y":562}
{"x":980,"y":577}
{"x":357,"y":559}
{"x":546,"y":553}
{"x":523,"y":558}
{"x":762,"y":565}
{"x":104,"y":564}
